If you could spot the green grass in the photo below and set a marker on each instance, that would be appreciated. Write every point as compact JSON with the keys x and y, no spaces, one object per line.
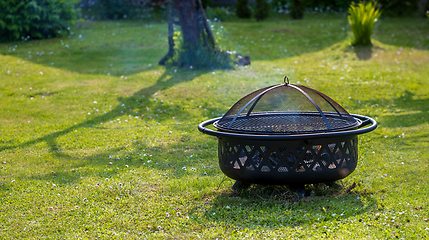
{"x":79,"y":160}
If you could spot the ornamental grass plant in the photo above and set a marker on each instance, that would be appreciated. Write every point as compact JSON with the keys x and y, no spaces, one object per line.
{"x":362,"y":19}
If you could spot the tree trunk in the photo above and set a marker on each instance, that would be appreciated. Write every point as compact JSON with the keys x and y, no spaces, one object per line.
{"x":422,"y":4}
{"x":195,"y":30}
{"x":188,"y":19}
{"x":170,"y":35}
{"x":206,"y":24}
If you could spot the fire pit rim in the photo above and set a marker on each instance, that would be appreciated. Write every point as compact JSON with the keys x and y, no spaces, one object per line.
{"x":365,"y":121}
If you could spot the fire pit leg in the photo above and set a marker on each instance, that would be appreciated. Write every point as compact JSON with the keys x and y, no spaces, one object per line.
{"x":238,"y":185}
{"x":299,"y":190}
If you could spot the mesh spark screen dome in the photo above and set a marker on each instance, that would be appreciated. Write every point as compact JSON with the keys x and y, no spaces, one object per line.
{"x":286,"y":109}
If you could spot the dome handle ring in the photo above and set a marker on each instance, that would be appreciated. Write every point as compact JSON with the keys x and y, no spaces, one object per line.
{"x":286,"y":79}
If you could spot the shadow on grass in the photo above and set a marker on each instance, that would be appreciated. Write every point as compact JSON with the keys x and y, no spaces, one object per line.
{"x":410,"y":110}
{"x":165,"y":81}
{"x":102,"y":59}
{"x":363,"y":53}
{"x":403,"y":32}
{"x":169,"y":160}
{"x":279,"y":206}
{"x":110,"y":162}
{"x":92,"y":49}
{"x":286,"y":39}
{"x":419,"y":114}
{"x":98,"y":163}
{"x":126,"y":55}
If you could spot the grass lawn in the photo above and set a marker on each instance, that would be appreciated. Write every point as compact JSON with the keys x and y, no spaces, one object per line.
{"x":98,"y":141}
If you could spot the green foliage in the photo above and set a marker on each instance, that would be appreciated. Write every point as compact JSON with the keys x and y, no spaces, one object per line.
{"x":362,"y":19}
{"x":261,"y":10}
{"x":122,"y":9}
{"x":115,"y":9}
{"x":220,"y":13}
{"x":279,"y":5}
{"x":389,"y":7}
{"x":242,"y":9}
{"x":206,"y":3}
{"x":35,"y":19}
{"x":399,"y":8}
{"x":328,"y":5}
{"x":297,"y":9}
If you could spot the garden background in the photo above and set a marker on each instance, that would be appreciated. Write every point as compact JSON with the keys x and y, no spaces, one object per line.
{"x":99,"y":141}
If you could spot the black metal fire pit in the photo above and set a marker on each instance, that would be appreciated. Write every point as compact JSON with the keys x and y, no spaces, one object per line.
{"x":288,"y":135}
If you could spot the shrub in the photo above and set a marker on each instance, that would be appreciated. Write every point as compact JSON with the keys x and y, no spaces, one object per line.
{"x":328,"y":5}
{"x":297,"y":7}
{"x":122,"y":9}
{"x":261,"y":10}
{"x":242,"y":9}
{"x":115,"y":9}
{"x":25,"y":19}
{"x":362,"y":19}
{"x":206,"y":3}
{"x":392,"y":8}
{"x":396,"y":8}
{"x":279,"y":5}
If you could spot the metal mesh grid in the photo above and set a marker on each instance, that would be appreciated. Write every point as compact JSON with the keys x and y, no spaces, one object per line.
{"x":286,"y":109}
{"x":285,"y":123}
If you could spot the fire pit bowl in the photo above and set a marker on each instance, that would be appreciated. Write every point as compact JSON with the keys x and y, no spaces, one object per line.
{"x":287,"y":135}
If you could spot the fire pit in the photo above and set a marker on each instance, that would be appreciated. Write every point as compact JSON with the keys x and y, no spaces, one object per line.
{"x":287,"y":135}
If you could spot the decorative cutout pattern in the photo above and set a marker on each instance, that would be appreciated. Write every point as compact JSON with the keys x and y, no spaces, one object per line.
{"x":287,"y":159}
